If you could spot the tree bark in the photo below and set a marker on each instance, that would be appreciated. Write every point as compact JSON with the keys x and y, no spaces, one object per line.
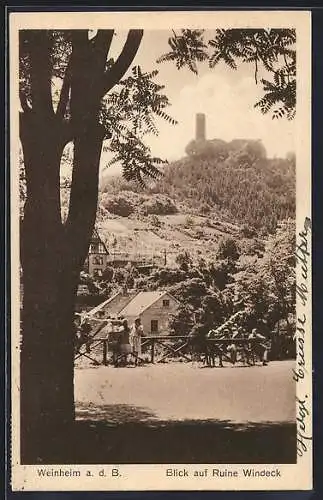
{"x":52,"y":253}
{"x":47,"y":344}
{"x":52,"y":256}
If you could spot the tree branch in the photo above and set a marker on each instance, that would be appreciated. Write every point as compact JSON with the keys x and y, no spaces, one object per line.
{"x":127,"y":55}
{"x":256,"y":71}
{"x":84,"y":192}
{"x":88,"y":62}
{"x":102,"y":43}
{"x":24,"y":102}
{"x":65,"y":92}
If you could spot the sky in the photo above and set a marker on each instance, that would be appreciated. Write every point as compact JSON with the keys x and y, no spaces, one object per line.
{"x":227,"y":98}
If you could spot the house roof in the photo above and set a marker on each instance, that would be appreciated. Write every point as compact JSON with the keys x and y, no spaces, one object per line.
{"x":98,"y":308}
{"x":141,"y":302}
{"x":97,"y":238}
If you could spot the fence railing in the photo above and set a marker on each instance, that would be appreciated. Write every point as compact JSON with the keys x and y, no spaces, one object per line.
{"x":159,"y":349}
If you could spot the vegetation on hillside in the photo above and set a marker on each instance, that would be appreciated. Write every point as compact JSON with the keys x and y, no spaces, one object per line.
{"x":254,"y":190}
{"x":125,"y":203}
{"x":235,"y":179}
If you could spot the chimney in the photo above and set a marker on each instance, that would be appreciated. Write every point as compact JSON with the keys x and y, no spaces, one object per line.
{"x":200,"y":127}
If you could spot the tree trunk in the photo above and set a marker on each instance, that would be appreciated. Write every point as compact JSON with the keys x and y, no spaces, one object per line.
{"x":47,"y":350}
{"x":47,"y":362}
{"x":52,"y":253}
{"x":52,"y":256}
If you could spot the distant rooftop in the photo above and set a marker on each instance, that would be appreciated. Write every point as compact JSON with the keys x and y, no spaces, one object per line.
{"x":140,"y":303}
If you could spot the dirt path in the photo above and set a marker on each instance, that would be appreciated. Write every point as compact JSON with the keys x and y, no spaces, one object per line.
{"x":175,"y":414}
{"x":178,"y":392}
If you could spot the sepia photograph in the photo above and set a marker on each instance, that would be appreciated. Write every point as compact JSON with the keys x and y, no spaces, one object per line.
{"x":161,"y":233}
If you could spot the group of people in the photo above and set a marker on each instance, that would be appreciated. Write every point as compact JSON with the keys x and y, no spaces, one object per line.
{"x":230,"y":343}
{"x":123,"y":341}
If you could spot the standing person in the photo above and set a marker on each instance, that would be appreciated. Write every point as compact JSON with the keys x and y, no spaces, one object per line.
{"x":210,"y":350}
{"x":259,"y":349}
{"x":125,"y":347}
{"x":232,"y":347}
{"x":106,"y":328}
{"x":196,"y":346}
{"x":114,"y":341}
{"x":137,"y":332}
{"x":76,"y":333}
{"x":245,"y":352}
{"x":105,"y":332}
{"x":263,"y":349}
{"x":217,"y":347}
{"x":252,"y":346}
{"x":85,"y":330}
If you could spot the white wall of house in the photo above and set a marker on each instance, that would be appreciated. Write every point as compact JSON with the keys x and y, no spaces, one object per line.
{"x":155,"y":319}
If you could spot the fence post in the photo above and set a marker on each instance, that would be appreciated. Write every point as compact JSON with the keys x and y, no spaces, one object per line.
{"x":105,"y":352}
{"x":152,"y":357}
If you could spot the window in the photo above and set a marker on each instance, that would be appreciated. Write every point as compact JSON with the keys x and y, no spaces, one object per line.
{"x":154,"y":326}
{"x":165,"y":303}
{"x":97,"y":273}
{"x":98,"y":260}
{"x":94,"y":248}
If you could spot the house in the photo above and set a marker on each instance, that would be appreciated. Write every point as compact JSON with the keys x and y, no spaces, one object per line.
{"x":153,"y":308}
{"x":97,"y":258}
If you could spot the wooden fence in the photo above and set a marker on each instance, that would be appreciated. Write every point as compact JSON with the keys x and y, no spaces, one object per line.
{"x":159,"y":349}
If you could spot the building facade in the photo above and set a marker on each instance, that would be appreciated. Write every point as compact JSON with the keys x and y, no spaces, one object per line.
{"x":97,"y":257}
{"x":153,"y":308}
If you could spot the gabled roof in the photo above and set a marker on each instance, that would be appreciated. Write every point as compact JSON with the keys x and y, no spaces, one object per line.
{"x":97,"y":238}
{"x":98,"y":308}
{"x":141,"y":302}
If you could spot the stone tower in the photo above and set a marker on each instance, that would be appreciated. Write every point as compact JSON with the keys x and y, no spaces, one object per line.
{"x":200,"y":127}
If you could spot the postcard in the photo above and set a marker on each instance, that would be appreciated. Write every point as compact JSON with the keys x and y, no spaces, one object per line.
{"x":160,"y":173}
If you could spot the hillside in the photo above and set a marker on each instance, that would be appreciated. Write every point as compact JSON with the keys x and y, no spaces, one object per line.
{"x":162,"y":237}
{"x":206,"y":226}
{"x":218,"y":189}
{"x":235,"y":178}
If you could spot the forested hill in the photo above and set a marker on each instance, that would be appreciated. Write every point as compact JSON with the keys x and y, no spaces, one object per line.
{"x":229,"y":181}
{"x":235,"y":178}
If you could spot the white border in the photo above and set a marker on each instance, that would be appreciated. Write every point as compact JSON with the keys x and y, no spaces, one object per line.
{"x":153,"y":477}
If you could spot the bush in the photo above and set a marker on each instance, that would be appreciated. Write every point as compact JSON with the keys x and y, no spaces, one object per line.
{"x":108,"y":273}
{"x":205,"y":208}
{"x":158,"y":205}
{"x":118,"y":205}
{"x":154,"y":221}
{"x":189,"y":221}
{"x":184,"y":261}
{"x":228,"y":249}
{"x":247,"y":231}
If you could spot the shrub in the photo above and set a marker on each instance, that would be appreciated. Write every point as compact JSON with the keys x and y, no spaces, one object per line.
{"x":228,"y":249}
{"x":108,"y":273}
{"x":158,"y":205}
{"x":118,"y":205}
{"x":205,"y":208}
{"x":189,"y":221}
{"x":154,"y":221}
{"x":247,"y":231}
{"x":184,"y":261}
